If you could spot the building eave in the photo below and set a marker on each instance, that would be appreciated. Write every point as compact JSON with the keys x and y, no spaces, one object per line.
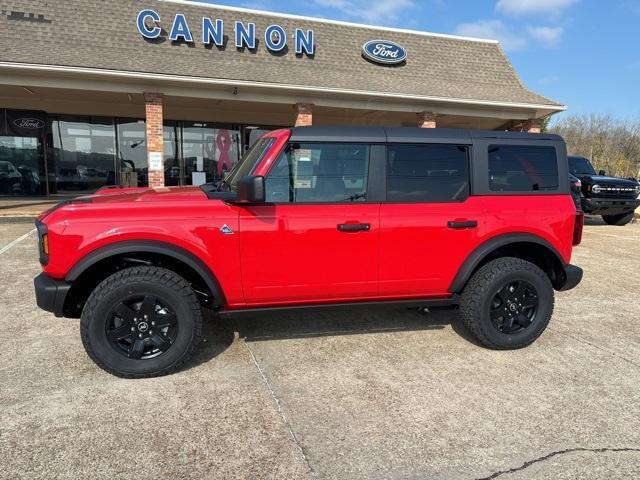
{"x":302,"y":90}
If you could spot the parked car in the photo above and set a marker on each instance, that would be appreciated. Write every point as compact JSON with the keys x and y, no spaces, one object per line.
{"x":30,"y":180}
{"x":614,"y":198}
{"x":314,"y":217}
{"x":10,"y":179}
{"x":72,"y":178}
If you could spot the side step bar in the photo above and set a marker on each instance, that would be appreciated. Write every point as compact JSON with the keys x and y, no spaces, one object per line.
{"x":413,"y":303}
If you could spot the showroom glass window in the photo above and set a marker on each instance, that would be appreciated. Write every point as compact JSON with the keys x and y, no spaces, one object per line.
{"x":427,"y":173}
{"x":522,"y":168}
{"x":209,"y":151}
{"x":171,"y":142}
{"x":330,"y":173}
{"x":82,"y":154}
{"x":132,"y":153}
{"x":21,"y":166}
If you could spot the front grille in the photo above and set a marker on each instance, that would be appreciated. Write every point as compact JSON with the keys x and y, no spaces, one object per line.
{"x":616,"y":191}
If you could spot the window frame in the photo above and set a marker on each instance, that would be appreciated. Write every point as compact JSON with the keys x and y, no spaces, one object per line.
{"x":480,"y":166}
{"x":434,"y":141}
{"x":372,"y":190}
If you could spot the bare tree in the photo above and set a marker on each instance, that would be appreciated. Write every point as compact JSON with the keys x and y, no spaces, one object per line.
{"x":612,"y":144}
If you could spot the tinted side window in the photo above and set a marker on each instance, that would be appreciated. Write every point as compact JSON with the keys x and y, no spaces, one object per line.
{"x":313,"y":172}
{"x":427,"y":173}
{"x":522,"y":168}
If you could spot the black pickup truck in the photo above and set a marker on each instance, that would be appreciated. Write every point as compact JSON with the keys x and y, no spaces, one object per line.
{"x":614,"y":198}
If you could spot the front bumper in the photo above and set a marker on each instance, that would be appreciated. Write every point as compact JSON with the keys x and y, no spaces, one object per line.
{"x":609,"y":206}
{"x":51,"y":293}
{"x":573,"y":276}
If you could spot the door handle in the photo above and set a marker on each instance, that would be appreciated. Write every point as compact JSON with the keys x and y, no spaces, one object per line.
{"x":462,"y":224}
{"x":354,"y":227}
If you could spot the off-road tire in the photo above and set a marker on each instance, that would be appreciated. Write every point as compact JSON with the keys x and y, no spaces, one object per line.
{"x":618,"y":220}
{"x":483,"y":286}
{"x":155,"y":281}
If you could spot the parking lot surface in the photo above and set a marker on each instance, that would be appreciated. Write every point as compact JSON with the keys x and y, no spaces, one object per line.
{"x":367,"y":394}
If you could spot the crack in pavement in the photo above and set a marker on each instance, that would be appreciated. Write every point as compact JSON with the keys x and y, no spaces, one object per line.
{"x":555,"y":454}
{"x":280,"y":410}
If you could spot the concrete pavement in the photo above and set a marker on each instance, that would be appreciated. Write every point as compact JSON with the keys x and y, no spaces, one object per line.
{"x":373,"y":394}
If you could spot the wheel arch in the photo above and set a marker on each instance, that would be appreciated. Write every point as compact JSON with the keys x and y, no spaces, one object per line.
{"x":102,"y":262}
{"x":526,"y":246}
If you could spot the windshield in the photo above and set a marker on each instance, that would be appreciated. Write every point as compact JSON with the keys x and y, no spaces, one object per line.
{"x":580,"y":166}
{"x":247,"y":164}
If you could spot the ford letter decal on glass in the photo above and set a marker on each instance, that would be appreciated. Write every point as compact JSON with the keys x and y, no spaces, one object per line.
{"x":384,"y":51}
{"x":30,"y":123}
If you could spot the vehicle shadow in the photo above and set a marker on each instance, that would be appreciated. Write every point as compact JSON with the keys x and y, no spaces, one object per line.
{"x":597,"y":221}
{"x":594,"y":220}
{"x":219,"y":332}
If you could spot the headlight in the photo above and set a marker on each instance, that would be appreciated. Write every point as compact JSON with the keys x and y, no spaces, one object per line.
{"x":596,"y":189}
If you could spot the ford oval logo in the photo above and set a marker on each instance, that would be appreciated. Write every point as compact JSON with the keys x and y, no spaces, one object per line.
{"x":29,"y":123}
{"x":384,"y":51}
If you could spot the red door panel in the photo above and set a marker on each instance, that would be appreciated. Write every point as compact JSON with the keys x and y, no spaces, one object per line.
{"x":296,"y":253}
{"x":419,"y":254}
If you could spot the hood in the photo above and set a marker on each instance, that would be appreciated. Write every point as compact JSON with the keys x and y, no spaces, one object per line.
{"x":163,"y":194}
{"x":172,"y":195}
{"x":606,"y":180}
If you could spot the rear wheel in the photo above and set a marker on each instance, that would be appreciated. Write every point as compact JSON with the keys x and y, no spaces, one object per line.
{"x":141,"y":322}
{"x":618,"y":220}
{"x":507,"y":304}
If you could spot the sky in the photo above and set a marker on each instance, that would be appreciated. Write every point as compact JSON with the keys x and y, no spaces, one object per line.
{"x":582,"y":53}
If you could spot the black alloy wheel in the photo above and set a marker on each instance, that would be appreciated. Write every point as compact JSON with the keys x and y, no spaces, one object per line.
{"x":142,"y":327}
{"x":514,"y":307}
{"x":141,"y":322}
{"x":507,"y":303}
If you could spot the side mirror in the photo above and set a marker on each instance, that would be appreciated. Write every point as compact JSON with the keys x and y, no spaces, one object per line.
{"x":602,"y":173}
{"x":251,"y":190}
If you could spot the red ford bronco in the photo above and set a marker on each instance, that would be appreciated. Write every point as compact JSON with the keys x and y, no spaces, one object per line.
{"x":316,"y":217}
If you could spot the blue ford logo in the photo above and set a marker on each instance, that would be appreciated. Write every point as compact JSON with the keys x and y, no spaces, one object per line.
{"x":383,"y":51}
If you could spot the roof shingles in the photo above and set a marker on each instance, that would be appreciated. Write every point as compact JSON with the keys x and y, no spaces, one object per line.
{"x":98,"y":34}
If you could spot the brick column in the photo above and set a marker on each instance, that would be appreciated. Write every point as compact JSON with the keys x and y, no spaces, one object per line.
{"x":154,"y":119}
{"x":304,"y":114}
{"x":427,"y":120}
{"x":531,"y":125}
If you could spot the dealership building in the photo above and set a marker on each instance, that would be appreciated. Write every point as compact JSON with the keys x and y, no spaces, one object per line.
{"x":168,"y":92}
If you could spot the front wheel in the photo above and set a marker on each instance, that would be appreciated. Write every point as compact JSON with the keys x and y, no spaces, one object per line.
{"x":507,"y":304}
{"x":141,"y":322}
{"x":618,"y":220}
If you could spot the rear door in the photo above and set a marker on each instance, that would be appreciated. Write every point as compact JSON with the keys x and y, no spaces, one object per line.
{"x":429,"y":222}
{"x":317,"y":237}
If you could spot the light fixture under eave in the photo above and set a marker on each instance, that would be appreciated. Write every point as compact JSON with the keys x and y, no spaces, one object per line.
{"x":28,"y":90}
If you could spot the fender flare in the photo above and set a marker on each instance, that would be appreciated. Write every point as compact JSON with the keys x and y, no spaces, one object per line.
{"x":480,"y":253}
{"x":150,"y":246}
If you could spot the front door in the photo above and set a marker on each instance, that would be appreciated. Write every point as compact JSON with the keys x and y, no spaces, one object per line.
{"x":429,"y":223}
{"x":316,"y":238}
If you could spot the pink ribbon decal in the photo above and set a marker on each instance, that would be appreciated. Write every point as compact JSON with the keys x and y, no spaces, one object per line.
{"x":223,"y":142}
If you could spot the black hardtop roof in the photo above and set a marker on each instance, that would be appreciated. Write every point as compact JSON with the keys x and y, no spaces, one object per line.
{"x":406,"y":134}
